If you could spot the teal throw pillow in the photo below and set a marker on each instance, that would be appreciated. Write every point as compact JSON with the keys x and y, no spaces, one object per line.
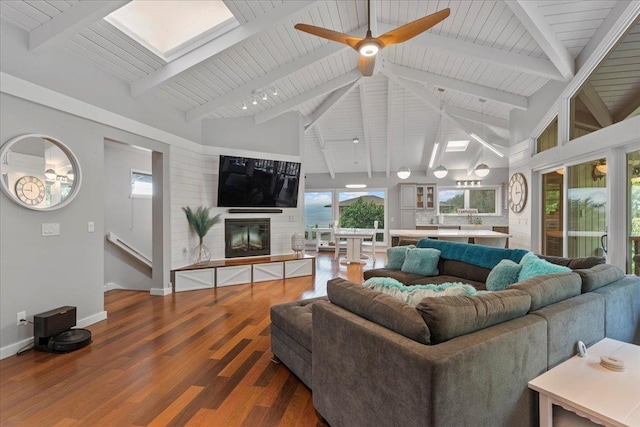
{"x":395,"y":256}
{"x":505,"y":273}
{"x":533,"y":266}
{"x":412,"y":295}
{"x":423,"y":261}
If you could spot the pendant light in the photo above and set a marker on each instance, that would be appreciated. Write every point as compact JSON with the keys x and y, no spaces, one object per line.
{"x":404,"y":172}
{"x":482,"y":169}
{"x":440,"y":171}
{"x":50,"y":174}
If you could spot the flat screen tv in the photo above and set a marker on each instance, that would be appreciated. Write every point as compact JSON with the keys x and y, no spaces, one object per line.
{"x":259,"y":183}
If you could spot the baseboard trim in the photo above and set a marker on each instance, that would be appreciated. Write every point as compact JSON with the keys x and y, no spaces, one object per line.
{"x":161,"y":292}
{"x":12,"y":349}
{"x":111,"y":286}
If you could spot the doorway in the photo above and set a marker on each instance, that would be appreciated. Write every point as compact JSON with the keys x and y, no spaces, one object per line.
{"x":633,"y":212}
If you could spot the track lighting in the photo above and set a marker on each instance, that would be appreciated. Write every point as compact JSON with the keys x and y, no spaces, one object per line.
{"x":264,"y":96}
{"x":254,"y":101}
{"x":274,"y":91}
{"x":244,"y":105}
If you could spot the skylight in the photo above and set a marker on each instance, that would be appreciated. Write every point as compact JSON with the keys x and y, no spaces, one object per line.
{"x":455,"y":146}
{"x":172,"y":28}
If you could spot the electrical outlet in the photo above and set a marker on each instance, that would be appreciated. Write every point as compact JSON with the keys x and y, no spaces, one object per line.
{"x":21,"y":318}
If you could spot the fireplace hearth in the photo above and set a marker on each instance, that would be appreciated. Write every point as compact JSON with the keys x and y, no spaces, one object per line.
{"x":247,"y":237}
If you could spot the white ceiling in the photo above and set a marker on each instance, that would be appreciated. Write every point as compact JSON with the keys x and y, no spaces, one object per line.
{"x":503,"y":51}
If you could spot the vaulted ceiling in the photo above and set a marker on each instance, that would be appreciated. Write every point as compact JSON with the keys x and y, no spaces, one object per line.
{"x":501,"y":51}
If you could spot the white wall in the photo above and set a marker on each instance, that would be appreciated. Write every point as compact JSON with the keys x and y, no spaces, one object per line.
{"x":281,"y":135}
{"x":63,"y":72}
{"x":129,"y":218}
{"x":41,"y":273}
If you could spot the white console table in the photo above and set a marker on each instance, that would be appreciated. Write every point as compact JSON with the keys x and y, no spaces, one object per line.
{"x":581,"y":385}
{"x":240,"y":271}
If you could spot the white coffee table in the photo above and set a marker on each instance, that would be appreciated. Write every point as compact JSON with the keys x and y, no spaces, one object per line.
{"x":581,"y":385}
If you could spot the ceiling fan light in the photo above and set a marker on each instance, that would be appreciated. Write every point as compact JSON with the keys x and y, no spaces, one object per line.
{"x":50,"y":174}
{"x":440,"y":172}
{"x":482,"y":170}
{"x":404,"y":172}
{"x":368,"y":48}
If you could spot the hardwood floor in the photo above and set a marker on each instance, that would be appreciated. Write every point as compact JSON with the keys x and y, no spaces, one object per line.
{"x":199,"y":358}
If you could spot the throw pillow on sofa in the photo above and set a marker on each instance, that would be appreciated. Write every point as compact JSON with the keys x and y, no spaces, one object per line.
{"x":395,"y":256}
{"x":502,"y":275}
{"x":421,"y":261}
{"x":533,"y":266}
{"x":412,"y":295}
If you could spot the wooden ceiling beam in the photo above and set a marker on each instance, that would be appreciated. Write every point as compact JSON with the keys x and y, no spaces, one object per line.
{"x":245,"y":91}
{"x":525,"y":64}
{"x":217,"y":46}
{"x":70,"y":22}
{"x":337,"y":96}
{"x":596,"y":105}
{"x":325,"y":153}
{"x":535,"y":23}
{"x":509,"y":99}
{"x":315,"y":92}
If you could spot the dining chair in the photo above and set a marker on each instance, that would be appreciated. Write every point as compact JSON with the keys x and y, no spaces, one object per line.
{"x":372,"y":243}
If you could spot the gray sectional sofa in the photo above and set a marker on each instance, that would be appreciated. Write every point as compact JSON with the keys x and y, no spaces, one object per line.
{"x":372,"y":360}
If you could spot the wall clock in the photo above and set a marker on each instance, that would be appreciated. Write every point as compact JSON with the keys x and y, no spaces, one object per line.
{"x":517,"y":192}
{"x":30,"y":190}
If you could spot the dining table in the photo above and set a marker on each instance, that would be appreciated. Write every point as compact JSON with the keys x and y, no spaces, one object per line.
{"x":354,"y":238}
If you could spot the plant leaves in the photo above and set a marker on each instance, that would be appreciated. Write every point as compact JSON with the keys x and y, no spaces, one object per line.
{"x":200,"y":221}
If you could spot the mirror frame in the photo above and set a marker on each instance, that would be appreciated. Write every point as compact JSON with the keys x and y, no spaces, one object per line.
{"x":66,"y":150}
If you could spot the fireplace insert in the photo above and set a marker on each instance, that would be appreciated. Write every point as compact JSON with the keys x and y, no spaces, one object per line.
{"x":247,"y":237}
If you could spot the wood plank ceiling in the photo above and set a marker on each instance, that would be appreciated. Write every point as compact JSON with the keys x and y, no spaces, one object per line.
{"x":484,"y":49}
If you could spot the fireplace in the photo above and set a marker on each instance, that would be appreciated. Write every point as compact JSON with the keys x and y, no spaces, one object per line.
{"x":247,"y":237}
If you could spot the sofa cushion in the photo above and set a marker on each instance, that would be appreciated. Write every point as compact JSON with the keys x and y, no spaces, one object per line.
{"x":399,"y":275}
{"x":412,"y":295}
{"x":421,"y":261}
{"x":548,"y":289}
{"x":534,"y":266}
{"x":574,"y":263}
{"x":379,"y":308}
{"x":449,"y":317}
{"x":503,"y":275}
{"x":396,"y":255}
{"x":482,"y":256}
{"x":599,"y":276}
{"x":294,"y":319}
{"x":463,"y":270}
{"x":438,"y":280}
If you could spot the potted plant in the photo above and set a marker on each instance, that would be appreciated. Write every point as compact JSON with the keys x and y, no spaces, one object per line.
{"x":200,"y":222}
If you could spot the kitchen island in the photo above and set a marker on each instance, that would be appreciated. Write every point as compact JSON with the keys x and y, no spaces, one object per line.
{"x":444,"y":234}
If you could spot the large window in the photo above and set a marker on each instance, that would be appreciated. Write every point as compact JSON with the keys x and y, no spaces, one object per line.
{"x":317,"y":209}
{"x":548,"y":138}
{"x":359,"y":209}
{"x":486,"y":200}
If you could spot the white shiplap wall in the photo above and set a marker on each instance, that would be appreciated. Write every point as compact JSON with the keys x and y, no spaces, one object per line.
{"x":194,"y":182}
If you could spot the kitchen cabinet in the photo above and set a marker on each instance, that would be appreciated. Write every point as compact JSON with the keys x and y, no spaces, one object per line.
{"x":415,"y":197}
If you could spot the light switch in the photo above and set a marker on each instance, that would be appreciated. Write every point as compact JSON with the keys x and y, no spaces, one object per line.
{"x":51,"y":229}
{"x":91,"y":227}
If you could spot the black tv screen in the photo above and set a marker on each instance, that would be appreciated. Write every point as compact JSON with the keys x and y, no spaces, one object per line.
{"x":247,"y":182}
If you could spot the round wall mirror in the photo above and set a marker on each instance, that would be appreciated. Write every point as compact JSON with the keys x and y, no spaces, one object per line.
{"x":39,"y":172}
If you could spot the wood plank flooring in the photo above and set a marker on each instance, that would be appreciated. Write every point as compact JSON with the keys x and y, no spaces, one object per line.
{"x":199,"y":358}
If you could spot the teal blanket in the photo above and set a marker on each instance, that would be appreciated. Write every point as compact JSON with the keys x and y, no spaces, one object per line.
{"x":482,"y":256}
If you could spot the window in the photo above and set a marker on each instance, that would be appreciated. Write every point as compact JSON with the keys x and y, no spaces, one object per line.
{"x":359,"y":209}
{"x":548,"y":138}
{"x":486,"y":200}
{"x":141,"y":184}
{"x":317,"y":209}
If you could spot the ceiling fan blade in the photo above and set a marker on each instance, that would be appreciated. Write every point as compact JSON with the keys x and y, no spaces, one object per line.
{"x":412,"y":29}
{"x":329,"y":34}
{"x":366,"y":64}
